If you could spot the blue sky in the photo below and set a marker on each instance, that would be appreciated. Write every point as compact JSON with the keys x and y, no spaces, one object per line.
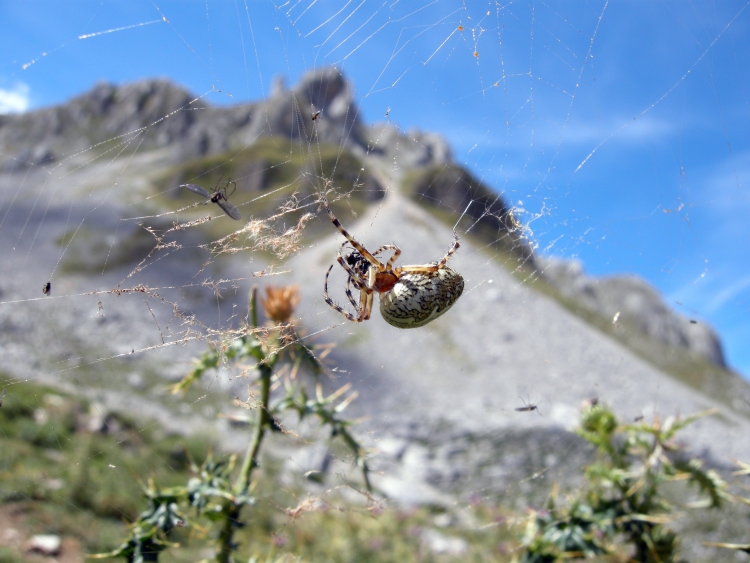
{"x":623,"y":125}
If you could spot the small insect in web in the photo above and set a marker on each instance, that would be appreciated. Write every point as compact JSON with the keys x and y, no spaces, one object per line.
{"x":2,"y":397}
{"x":316,"y":115}
{"x":217,"y":196}
{"x":527,"y":406}
{"x":410,"y":296}
{"x":47,"y":288}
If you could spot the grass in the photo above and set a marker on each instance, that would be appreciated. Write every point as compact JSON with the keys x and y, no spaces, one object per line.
{"x":91,"y":250}
{"x":67,"y":480}
{"x":57,"y":476}
{"x":268,"y":172}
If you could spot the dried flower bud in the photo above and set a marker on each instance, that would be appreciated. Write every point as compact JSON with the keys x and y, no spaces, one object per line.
{"x":280,"y":302}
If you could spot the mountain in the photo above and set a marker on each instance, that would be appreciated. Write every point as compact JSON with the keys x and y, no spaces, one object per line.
{"x":95,"y":204}
{"x":158,"y":114}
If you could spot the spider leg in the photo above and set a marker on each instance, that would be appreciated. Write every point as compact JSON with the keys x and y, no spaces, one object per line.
{"x":392,"y":259}
{"x":451,"y":251}
{"x":382,"y":249}
{"x":338,"y":307}
{"x":369,"y":297}
{"x":430,"y":267}
{"x":348,"y":292}
{"x":361,"y":249}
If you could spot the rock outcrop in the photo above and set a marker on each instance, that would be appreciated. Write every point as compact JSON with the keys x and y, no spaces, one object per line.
{"x":157,"y":113}
{"x":632,"y":299}
{"x":321,"y":108}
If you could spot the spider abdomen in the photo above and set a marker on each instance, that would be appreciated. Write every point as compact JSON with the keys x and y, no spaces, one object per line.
{"x":418,"y":298}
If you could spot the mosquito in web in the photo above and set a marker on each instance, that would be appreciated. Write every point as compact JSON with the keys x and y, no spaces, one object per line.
{"x":47,"y":288}
{"x":218,"y":196}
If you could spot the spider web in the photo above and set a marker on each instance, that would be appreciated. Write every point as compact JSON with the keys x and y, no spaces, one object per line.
{"x":609,"y":134}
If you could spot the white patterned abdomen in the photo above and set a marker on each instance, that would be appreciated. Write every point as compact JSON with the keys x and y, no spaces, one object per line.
{"x":417,"y":299}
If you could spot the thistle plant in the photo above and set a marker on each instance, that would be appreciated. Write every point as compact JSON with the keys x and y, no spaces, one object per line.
{"x":743,"y":471}
{"x":623,"y":510}
{"x":220,"y":490}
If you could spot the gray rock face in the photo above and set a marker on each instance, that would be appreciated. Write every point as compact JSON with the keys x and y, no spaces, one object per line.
{"x":636,"y":301}
{"x":414,"y":150}
{"x":157,"y":113}
{"x":153,"y":109}
{"x":438,"y":404}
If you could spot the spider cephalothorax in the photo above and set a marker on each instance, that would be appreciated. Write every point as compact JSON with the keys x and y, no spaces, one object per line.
{"x":410,"y":296}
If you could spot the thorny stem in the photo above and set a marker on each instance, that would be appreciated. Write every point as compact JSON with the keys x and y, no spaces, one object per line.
{"x":231,"y":510}
{"x":355,"y":447}
{"x":243,"y":480}
{"x":254,"y":307}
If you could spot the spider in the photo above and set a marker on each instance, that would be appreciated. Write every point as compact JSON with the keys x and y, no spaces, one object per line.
{"x":410,"y":296}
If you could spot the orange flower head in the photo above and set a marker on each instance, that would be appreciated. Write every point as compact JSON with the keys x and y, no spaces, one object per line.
{"x":280,"y":302}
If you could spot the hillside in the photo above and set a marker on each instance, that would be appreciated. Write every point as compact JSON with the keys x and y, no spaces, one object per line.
{"x":87,"y":180}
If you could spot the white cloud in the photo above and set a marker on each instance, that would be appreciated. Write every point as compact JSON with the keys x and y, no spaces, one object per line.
{"x":710,"y":294}
{"x":727,"y":294}
{"x":14,"y":100}
{"x":550,"y":134}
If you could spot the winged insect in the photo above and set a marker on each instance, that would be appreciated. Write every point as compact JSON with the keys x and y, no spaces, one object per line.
{"x":217,"y":196}
{"x":527,"y":407}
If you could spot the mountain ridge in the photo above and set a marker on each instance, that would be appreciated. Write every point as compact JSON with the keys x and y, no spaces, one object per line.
{"x":179,"y":120}
{"x":431,"y":180}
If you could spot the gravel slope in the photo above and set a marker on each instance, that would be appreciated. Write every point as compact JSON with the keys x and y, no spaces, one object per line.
{"x":501,"y":344}
{"x":439,"y":402}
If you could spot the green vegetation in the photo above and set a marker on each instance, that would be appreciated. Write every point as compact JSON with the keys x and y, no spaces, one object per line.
{"x":92,"y":250}
{"x":623,"y":510}
{"x":271,"y":170}
{"x":65,"y":478}
{"x":66,"y":475}
{"x":219,"y":492}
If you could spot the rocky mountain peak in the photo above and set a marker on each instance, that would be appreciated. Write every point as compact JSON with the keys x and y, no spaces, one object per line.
{"x":628,"y":298}
{"x":156,"y":113}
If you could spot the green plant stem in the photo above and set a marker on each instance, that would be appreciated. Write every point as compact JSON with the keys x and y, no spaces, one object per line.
{"x":231,"y":510}
{"x":254,"y":307}
{"x":243,"y":480}
{"x":361,"y":461}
